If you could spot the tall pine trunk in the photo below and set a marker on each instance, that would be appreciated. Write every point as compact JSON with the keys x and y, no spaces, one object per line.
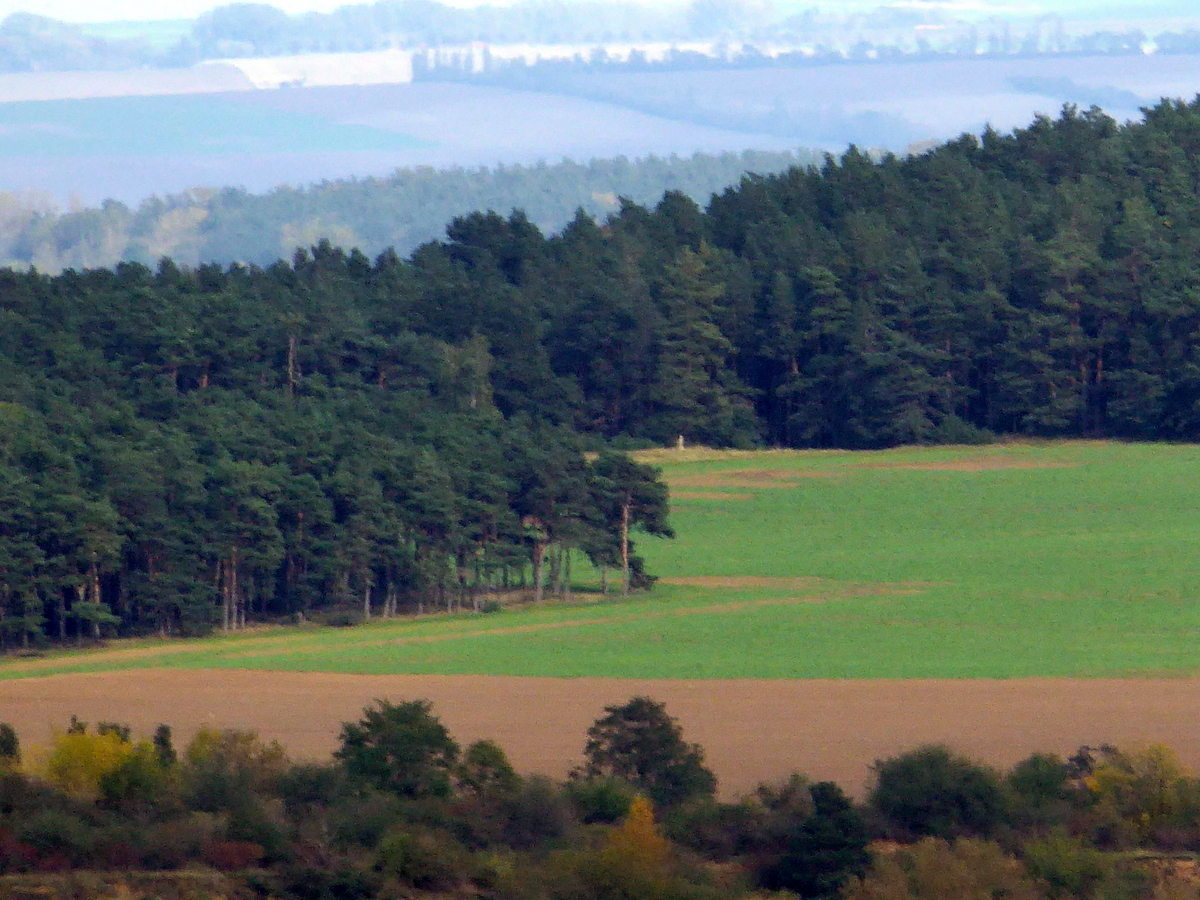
{"x":625,"y":548}
{"x":539,"y":560}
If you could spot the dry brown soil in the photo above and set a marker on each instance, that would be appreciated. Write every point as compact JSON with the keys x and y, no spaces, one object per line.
{"x":979,"y":464}
{"x":752,"y":730}
{"x":789,"y":478}
{"x":747,"y":478}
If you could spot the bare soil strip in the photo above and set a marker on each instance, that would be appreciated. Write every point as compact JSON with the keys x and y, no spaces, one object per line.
{"x":994,"y":464}
{"x":790,"y":478}
{"x":128,"y":654}
{"x":748,"y":478}
{"x":752,"y":730}
{"x":744,"y":582}
{"x":660,"y":455}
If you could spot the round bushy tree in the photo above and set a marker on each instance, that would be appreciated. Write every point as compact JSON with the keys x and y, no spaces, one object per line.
{"x":931,"y":791}
{"x":640,"y":743}
{"x":403,"y":748}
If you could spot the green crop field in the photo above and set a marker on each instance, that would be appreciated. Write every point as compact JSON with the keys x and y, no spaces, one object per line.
{"x":1014,"y":560}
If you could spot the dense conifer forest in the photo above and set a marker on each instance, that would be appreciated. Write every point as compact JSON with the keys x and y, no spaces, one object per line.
{"x":184,"y":448}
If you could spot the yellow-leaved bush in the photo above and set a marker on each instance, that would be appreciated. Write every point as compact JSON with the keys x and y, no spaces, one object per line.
{"x":637,"y":842}
{"x":241,"y":753}
{"x":78,"y":761}
{"x":1147,"y":789}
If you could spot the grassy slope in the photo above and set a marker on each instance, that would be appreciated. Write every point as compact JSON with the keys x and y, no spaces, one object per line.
{"x":1020,"y":560}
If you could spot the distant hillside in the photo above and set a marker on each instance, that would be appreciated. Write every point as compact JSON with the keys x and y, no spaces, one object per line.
{"x":404,"y":210}
{"x":33,"y":42}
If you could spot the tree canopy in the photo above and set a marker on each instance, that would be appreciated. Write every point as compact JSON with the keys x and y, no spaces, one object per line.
{"x":640,"y":743}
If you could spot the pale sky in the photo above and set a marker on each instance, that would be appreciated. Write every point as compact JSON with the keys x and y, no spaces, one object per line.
{"x":117,"y":10}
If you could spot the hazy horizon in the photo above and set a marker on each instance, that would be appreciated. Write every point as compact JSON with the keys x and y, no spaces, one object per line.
{"x":83,"y":12}
{"x":231,"y":109}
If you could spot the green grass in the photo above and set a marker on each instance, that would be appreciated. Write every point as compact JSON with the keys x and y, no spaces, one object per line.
{"x":1062,"y":559}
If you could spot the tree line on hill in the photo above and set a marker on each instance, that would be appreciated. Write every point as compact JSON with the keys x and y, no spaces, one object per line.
{"x":33,"y":42}
{"x":403,"y":810}
{"x":400,"y":211}
{"x":189,"y":447}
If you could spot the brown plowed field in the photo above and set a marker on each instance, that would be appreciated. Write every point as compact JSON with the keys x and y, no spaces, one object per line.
{"x":752,"y":730}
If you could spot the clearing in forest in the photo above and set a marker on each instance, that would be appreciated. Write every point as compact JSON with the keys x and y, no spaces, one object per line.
{"x":1005,"y":561}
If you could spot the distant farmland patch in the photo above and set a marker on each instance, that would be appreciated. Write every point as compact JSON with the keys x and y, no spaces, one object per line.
{"x":260,"y":140}
{"x":166,"y":126}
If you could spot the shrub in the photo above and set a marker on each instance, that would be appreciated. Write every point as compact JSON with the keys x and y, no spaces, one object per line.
{"x":822,"y":850}
{"x":79,"y":761}
{"x":118,"y":853}
{"x":635,"y":862}
{"x":968,"y":869}
{"x":932,"y":792}
{"x":253,"y":821}
{"x":10,"y":745}
{"x":15,"y":855}
{"x":485,"y":768}
{"x":1148,"y":789}
{"x":640,"y":743}
{"x":233,"y":855}
{"x":337,"y":880}
{"x":426,"y":860}
{"x":339,"y":618}
{"x":1067,"y":867}
{"x":535,"y":814}
{"x":310,"y":784}
{"x":1040,"y":788}
{"x":174,"y":843}
{"x":602,"y":799}
{"x":717,"y":831}
{"x":138,"y":780}
{"x":362,"y":821}
{"x":221,"y":768}
{"x":954,"y":430}
{"x":637,"y":842}
{"x":59,"y":838}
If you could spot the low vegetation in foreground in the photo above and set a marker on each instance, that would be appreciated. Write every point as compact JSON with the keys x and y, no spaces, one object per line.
{"x":1013,"y":560}
{"x":403,"y":811}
